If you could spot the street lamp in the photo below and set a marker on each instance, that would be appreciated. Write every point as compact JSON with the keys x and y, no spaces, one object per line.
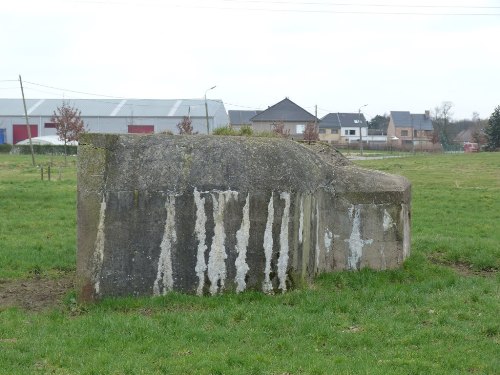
{"x":360,"y":130}
{"x":206,"y":108}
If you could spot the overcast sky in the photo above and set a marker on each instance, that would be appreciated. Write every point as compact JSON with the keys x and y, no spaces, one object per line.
{"x":412,"y":56}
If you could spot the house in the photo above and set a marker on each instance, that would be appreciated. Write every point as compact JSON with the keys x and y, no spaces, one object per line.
{"x":110,"y":115}
{"x":376,"y":137}
{"x":293,"y":117}
{"x":330,"y":128}
{"x":240,"y":118}
{"x":343,"y":127}
{"x":412,"y":129}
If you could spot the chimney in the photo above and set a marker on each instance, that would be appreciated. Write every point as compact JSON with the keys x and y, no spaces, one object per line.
{"x":427,"y":114}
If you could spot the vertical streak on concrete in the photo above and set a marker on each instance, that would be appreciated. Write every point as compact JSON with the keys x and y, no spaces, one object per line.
{"x":301,"y":220}
{"x":267,"y":287}
{"x":200,"y":232}
{"x":164,"y":275}
{"x":328,"y":239}
{"x":217,"y":258}
{"x":99,"y":246}
{"x":388,"y":223}
{"x":405,"y":220}
{"x":242,"y":237}
{"x":355,"y":242}
{"x":283,"y":257}
{"x":317,"y":248}
{"x":306,"y":246}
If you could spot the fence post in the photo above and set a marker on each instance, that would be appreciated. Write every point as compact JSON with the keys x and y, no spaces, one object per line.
{"x":41,"y":172}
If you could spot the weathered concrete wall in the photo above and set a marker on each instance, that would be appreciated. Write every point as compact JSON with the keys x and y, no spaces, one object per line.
{"x":203,"y":214}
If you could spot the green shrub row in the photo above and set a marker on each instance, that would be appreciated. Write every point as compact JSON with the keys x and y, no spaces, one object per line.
{"x":5,"y":148}
{"x":228,"y":130}
{"x":44,"y":149}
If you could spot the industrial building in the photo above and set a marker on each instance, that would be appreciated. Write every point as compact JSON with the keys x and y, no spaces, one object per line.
{"x":111,"y":116}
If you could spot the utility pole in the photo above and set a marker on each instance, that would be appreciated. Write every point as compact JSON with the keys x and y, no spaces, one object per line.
{"x":206,"y":108}
{"x":27,"y":122}
{"x":360,"y":130}
{"x":316,"y":119}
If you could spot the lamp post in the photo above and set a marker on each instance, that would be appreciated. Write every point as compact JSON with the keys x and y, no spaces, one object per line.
{"x":206,"y":108}
{"x":360,"y":130}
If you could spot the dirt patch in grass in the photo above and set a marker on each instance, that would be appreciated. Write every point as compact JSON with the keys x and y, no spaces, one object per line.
{"x":35,"y":294}
{"x":462,"y":268}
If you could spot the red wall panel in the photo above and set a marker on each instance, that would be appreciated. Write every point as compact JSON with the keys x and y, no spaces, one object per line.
{"x":20,"y":132}
{"x":141,"y":129}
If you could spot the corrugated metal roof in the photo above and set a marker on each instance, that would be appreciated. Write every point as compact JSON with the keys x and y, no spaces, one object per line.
{"x":241,"y":117}
{"x":113,"y":107}
{"x":337,"y":120}
{"x":286,"y":110}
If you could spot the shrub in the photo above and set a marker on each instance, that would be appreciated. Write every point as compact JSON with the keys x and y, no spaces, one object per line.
{"x":225,"y":130}
{"x":44,"y":149}
{"x":5,"y":148}
{"x":246,"y":130}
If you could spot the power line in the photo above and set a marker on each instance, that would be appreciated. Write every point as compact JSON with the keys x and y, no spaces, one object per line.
{"x":363,"y":4}
{"x":233,"y":5}
{"x":76,"y":92}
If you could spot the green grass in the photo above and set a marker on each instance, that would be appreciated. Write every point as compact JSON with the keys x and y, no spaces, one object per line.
{"x":425,"y":318}
{"x":455,"y":207}
{"x":37,"y":218}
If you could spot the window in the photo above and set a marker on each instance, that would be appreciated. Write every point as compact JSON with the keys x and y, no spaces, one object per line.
{"x":414,"y":133}
{"x":404,"y":133}
{"x":300,"y":129}
{"x":335,"y":131}
{"x":50,"y":125}
{"x":350,"y":132}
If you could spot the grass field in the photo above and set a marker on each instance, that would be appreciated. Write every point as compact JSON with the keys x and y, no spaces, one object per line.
{"x":436,"y":315}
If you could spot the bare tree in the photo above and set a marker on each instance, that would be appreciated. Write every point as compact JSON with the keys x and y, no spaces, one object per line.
{"x":279,"y":129}
{"x":311,"y":133}
{"x":185,"y":126}
{"x":69,"y":125}
{"x":441,"y":122}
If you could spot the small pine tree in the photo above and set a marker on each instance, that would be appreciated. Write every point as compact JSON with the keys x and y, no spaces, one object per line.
{"x":492,"y":131}
{"x":69,"y":125}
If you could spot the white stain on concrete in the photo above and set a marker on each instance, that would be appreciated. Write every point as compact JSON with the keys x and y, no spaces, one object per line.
{"x":267,"y":286}
{"x":301,"y":220}
{"x":356,"y":243}
{"x":388,"y":223}
{"x":164,"y":278}
{"x":283,"y":256}
{"x":405,"y":219}
{"x":242,"y":237}
{"x":216,"y":267}
{"x":328,"y":240}
{"x":200,"y":233}
{"x":99,"y":246}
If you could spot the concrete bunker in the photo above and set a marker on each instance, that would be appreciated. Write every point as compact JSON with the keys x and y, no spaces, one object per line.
{"x":205,"y":214}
